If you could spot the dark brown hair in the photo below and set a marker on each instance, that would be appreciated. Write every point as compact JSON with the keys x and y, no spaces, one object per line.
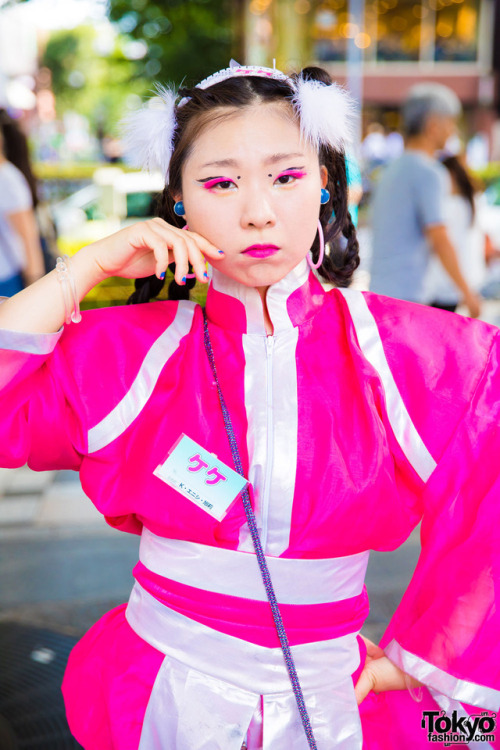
{"x":464,"y":182}
{"x":15,"y":149}
{"x":204,"y":107}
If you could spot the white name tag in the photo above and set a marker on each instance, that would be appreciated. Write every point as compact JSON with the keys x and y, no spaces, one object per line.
{"x":201,"y":477}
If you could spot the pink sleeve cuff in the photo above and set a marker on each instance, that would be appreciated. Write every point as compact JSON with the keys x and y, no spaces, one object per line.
{"x":440,"y":681}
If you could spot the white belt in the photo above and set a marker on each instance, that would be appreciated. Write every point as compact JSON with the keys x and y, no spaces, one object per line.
{"x":227,"y":571}
{"x":210,"y":685}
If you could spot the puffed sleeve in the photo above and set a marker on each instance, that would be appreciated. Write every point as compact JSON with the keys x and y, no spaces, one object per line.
{"x":446,"y":630}
{"x":55,"y":387}
{"x":42,"y":420}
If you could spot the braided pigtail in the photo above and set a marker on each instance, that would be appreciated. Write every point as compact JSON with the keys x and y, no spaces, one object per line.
{"x":339,"y":265}
{"x":343,"y":259}
{"x":166,"y":212}
{"x":150,"y":287}
{"x":145,"y":289}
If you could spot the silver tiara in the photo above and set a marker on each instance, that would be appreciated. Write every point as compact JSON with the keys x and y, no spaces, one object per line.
{"x":235,"y":70}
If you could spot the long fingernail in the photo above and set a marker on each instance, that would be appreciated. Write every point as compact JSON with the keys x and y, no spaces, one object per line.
{"x":162,"y":275}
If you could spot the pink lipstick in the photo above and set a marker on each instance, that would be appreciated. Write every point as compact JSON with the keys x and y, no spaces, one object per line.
{"x":261,"y":251}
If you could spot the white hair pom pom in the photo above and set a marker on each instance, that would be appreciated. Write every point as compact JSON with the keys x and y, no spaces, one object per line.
{"x":326,"y":113}
{"x":148,"y":133}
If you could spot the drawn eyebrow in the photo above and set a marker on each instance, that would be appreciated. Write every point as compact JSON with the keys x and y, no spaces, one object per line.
{"x":273,"y":159}
{"x":281,"y":157}
{"x":220,"y":163}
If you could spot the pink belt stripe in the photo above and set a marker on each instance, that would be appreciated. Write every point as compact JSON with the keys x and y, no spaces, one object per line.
{"x":248,"y":618}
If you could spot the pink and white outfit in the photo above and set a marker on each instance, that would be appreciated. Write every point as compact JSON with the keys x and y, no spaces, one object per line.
{"x":358,"y":418}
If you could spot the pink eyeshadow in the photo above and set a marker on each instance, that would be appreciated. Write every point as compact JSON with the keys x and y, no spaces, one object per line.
{"x":211,"y":183}
{"x":292,"y":173}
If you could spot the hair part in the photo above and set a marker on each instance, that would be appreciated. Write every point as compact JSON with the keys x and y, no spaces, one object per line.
{"x":205,"y":108}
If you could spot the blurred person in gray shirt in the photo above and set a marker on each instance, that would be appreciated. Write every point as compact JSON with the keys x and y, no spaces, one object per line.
{"x":408,"y":208}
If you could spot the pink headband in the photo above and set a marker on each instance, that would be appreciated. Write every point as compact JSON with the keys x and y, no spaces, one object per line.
{"x":234,"y":71}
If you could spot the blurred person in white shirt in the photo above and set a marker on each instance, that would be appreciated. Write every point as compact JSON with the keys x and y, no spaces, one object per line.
{"x":466,"y":235}
{"x":21,"y":259}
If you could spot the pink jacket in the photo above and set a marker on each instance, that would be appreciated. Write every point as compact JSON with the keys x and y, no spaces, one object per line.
{"x":360,"y":417}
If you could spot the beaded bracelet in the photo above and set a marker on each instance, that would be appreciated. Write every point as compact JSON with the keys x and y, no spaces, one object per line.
{"x":67,"y":281}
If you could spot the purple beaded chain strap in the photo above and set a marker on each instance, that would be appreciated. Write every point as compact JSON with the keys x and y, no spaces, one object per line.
{"x":278,"y":621}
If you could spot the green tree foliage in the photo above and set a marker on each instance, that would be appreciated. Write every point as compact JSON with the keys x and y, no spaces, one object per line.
{"x":90,"y":78}
{"x":187,"y":39}
{"x":176,"y":41}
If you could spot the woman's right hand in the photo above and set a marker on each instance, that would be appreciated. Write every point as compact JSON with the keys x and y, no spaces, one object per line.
{"x":137,"y":251}
{"x":147,"y":248}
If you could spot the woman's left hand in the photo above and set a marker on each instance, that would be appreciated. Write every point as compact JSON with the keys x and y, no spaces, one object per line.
{"x":380,"y":674}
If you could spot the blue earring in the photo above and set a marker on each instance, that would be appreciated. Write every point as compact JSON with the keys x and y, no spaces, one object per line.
{"x":325,"y":196}
{"x":179,"y":208}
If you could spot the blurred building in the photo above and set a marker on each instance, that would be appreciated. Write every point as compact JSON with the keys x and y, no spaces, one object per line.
{"x":393,"y":44}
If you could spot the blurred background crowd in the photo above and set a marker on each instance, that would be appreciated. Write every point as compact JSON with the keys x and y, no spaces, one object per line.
{"x":70,"y":70}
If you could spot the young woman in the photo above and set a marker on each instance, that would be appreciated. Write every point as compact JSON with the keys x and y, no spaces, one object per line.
{"x":355,"y":417}
{"x":21,"y":257}
{"x":467,"y":237}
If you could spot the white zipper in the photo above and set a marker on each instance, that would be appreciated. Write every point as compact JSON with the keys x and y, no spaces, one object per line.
{"x":270,"y":439}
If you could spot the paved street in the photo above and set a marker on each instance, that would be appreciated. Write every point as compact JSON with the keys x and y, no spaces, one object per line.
{"x":61,"y":566}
